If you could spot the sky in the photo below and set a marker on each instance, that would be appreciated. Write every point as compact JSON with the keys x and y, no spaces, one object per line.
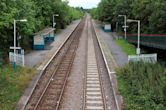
{"x":87,"y":4}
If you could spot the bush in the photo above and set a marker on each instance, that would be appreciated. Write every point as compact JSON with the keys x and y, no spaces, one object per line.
{"x":143,"y":86}
{"x":129,"y":49}
{"x":12,"y":85}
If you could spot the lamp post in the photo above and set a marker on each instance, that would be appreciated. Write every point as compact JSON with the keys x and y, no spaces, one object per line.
{"x":138,"y":41}
{"x":125,"y":26}
{"x":22,"y":20}
{"x":53,"y":23}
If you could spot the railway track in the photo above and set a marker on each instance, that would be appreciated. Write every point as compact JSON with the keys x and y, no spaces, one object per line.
{"x":94,"y":96}
{"x":49,"y":90}
{"x":112,"y":103}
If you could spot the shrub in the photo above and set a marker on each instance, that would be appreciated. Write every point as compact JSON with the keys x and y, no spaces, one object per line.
{"x":143,"y":86}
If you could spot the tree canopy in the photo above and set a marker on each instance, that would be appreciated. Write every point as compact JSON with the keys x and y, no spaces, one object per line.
{"x":39,"y":15}
{"x":152,"y":13}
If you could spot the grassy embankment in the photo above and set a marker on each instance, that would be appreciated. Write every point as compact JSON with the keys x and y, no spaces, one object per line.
{"x":12,"y":85}
{"x":143,"y":86}
{"x":128,"y":48}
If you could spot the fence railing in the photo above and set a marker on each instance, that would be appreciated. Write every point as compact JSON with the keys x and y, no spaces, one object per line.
{"x":19,"y":58}
{"x":151,"y":58}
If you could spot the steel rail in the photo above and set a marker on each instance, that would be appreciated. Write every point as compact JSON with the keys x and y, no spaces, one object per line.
{"x":64,"y":84}
{"x":108,"y":70}
{"x":66,"y":77}
{"x":84,"y":83}
{"x":90,"y":29}
{"x":47,"y":66}
{"x":99,"y":70}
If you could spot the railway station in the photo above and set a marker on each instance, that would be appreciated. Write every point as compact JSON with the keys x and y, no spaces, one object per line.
{"x":73,"y":55}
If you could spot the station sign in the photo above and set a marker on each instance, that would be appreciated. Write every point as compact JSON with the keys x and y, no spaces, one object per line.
{"x":15,"y":48}
{"x":125,"y":26}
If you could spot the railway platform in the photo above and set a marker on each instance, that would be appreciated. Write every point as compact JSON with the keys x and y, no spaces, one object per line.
{"x":39,"y":58}
{"x":111,"y":49}
{"x":77,"y":76}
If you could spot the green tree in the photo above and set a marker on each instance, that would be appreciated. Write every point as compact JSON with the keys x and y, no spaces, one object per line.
{"x":151,"y":13}
{"x":39,"y":15}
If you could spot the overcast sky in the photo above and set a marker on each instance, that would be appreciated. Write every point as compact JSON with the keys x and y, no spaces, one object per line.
{"x":87,"y":4}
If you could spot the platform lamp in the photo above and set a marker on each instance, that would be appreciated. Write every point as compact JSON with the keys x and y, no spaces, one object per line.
{"x":125,"y":26}
{"x":138,"y":51}
{"x":53,"y":17}
{"x":14,"y":62}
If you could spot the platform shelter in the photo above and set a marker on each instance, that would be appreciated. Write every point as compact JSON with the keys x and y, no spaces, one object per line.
{"x":42,"y":37}
{"x":106,"y":27}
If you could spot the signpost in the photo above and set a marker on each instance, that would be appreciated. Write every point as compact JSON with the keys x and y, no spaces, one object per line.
{"x":150,"y":58}
{"x":19,"y":56}
{"x":14,"y":47}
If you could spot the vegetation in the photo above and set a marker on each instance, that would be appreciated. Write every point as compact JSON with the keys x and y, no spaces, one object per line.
{"x":39,"y":15}
{"x":129,"y":49}
{"x":143,"y":86}
{"x":12,"y":85}
{"x":152,"y":14}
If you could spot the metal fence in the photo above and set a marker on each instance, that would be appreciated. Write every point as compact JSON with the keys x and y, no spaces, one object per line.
{"x":149,"y":40}
{"x":19,"y":58}
{"x":150,"y":58}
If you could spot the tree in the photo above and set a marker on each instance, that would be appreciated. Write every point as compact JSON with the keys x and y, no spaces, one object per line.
{"x":39,"y":15}
{"x":151,"y":13}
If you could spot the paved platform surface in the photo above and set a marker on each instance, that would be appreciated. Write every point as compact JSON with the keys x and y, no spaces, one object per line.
{"x":38,"y":58}
{"x":111,"y":49}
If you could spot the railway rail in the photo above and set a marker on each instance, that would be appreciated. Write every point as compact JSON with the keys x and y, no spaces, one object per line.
{"x":115,"y":103}
{"x":49,"y":90}
{"x":94,"y":96}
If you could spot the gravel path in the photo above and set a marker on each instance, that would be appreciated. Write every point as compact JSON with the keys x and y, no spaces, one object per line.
{"x":41,"y":57}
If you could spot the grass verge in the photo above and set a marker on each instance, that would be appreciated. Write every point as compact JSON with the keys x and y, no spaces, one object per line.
{"x":128,"y":48}
{"x":143,"y":86}
{"x":12,"y":85}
